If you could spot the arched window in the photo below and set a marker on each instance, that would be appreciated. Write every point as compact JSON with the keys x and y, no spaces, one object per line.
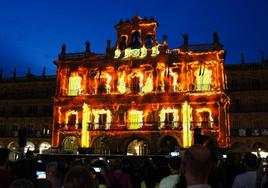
{"x":70,"y":143}
{"x":123,"y":43}
{"x":149,"y":41}
{"x":137,"y":147}
{"x":136,"y":39}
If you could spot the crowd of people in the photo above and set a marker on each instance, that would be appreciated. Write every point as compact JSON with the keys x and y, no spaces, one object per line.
{"x":196,"y":167}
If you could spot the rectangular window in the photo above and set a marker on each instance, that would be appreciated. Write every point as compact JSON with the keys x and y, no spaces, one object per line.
{"x":102,"y":86}
{"x":74,"y":86}
{"x":72,"y":120}
{"x":169,"y":119}
{"x":135,"y":119}
{"x":102,"y":121}
{"x":135,"y":84}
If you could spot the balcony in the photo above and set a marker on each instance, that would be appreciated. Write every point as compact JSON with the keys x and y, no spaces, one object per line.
{"x":200,"y":87}
{"x":205,"y":125}
{"x":145,"y":126}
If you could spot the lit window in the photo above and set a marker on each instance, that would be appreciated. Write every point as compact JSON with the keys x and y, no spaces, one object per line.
{"x":74,"y":85}
{"x":135,"y":119}
{"x":102,"y":121}
{"x":203,"y":78}
{"x":169,"y":119}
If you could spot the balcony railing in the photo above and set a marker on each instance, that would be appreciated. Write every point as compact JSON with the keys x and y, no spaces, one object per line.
{"x":174,"y":125}
{"x":208,"y":125}
{"x":135,"y":90}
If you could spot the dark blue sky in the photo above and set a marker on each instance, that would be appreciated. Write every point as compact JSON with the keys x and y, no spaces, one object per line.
{"x":32,"y":31}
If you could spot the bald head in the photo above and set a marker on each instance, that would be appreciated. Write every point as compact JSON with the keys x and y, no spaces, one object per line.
{"x":197,"y":161}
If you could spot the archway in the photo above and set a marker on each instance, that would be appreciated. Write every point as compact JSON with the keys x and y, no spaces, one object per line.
{"x":168,"y":144}
{"x":12,"y":145}
{"x":101,"y":145}
{"x":70,"y":143}
{"x":29,"y":147}
{"x":44,"y":146}
{"x":137,"y":147}
{"x":257,"y":146}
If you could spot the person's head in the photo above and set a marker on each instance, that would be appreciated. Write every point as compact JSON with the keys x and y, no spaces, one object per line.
{"x":4,"y":152}
{"x":53,"y":173}
{"x":250,"y":161}
{"x":78,"y":177}
{"x":22,"y":183}
{"x":174,"y":163}
{"x":196,"y":164}
{"x":117,"y":164}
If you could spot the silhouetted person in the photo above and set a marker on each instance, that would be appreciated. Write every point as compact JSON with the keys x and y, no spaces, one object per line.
{"x":117,"y":177}
{"x":6,"y":176}
{"x":78,"y":177}
{"x":173,"y":179}
{"x":53,"y":174}
{"x":196,"y":166}
{"x":247,"y":179}
{"x":22,"y":183}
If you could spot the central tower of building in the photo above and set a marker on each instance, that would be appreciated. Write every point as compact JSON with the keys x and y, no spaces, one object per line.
{"x":140,"y":97}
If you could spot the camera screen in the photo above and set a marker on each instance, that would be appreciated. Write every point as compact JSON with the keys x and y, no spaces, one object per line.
{"x":97,"y":169}
{"x":41,"y":174}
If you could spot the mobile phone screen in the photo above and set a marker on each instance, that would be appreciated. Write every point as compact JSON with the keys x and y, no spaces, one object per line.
{"x":97,"y":169}
{"x":41,"y":174}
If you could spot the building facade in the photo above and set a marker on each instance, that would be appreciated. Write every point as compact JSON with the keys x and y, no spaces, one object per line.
{"x":26,"y":108}
{"x":140,"y":97}
{"x":248,"y":87}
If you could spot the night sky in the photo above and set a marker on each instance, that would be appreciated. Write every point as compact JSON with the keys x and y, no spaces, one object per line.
{"x":32,"y":31}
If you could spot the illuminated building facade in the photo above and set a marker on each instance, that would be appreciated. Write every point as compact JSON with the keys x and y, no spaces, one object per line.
{"x":140,"y":97}
{"x":26,"y":104}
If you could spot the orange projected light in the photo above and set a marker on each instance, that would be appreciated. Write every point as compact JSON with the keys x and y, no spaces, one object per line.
{"x":140,"y":89}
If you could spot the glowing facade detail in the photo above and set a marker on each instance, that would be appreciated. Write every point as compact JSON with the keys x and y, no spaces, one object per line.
{"x":122,"y":83}
{"x":140,"y":89}
{"x":74,"y":85}
{"x":155,"y":51}
{"x":84,"y":131}
{"x":163,"y":115}
{"x":148,"y":87}
{"x":186,"y":124}
{"x":69,"y":116}
{"x":203,"y":78}
{"x":127,"y":53}
{"x":205,"y":117}
{"x":143,"y":52}
{"x":97,"y":114}
{"x":117,"y":53}
{"x":135,"y":119}
{"x":175,"y":79}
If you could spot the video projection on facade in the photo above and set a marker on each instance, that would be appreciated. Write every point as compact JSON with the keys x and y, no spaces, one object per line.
{"x":140,"y":96}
